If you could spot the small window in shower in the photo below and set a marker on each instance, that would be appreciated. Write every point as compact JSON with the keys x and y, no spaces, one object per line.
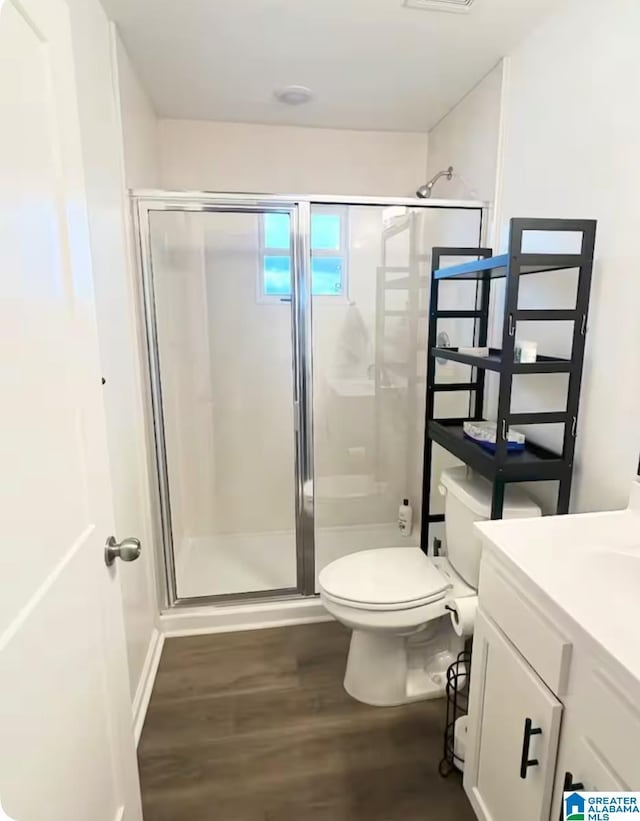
{"x":328,"y":254}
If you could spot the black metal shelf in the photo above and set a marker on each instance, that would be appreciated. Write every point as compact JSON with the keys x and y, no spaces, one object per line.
{"x":495,"y":267}
{"x":496,"y":362}
{"x":534,"y":463}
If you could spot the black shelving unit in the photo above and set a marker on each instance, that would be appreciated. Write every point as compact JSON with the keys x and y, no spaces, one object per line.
{"x":534,"y":463}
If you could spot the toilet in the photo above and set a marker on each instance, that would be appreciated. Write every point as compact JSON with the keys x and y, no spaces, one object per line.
{"x":395,"y":599}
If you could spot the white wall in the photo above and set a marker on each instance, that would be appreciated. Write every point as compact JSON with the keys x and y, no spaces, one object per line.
{"x":102,"y":154}
{"x":199,"y":155}
{"x":468,"y":139}
{"x":139,"y":125}
{"x":570,"y":149}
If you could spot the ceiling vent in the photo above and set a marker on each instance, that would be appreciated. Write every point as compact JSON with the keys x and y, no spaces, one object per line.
{"x":455,"y":6}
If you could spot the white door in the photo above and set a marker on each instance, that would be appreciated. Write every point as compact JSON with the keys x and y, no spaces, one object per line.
{"x":66,"y":742}
{"x":514,"y":725}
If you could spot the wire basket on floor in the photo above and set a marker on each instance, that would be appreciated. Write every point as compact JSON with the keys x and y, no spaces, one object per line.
{"x":457,"y":694}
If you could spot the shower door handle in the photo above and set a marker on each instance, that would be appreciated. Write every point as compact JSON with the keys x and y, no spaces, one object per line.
{"x":128,"y":550}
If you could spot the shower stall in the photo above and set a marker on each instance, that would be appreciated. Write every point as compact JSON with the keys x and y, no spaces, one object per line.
{"x":287,"y":357}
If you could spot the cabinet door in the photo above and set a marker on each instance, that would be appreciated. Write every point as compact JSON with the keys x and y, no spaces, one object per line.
{"x":582,"y":766}
{"x":514,"y":723}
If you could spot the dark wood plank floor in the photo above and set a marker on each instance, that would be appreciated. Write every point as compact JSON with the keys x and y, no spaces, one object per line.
{"x":256,"y":726}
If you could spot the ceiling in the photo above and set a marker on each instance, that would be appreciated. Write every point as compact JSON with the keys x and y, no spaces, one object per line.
{"x":372,"y":64}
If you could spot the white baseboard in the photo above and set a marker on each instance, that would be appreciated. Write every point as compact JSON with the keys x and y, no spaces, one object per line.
{"x":147,"y":680}
{"x":225,"y":619}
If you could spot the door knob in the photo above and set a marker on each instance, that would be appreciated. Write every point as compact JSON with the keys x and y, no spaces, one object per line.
{"x":128,"y":550}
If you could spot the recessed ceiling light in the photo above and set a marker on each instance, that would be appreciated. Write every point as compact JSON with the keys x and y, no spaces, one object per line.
{"x":294,"y":95}
{"x":459,"y":6}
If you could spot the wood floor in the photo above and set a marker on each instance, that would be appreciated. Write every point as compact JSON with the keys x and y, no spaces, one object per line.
{"x":255,"y":726}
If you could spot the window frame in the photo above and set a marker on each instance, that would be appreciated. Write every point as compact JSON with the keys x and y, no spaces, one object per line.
{"x":341,"y":252}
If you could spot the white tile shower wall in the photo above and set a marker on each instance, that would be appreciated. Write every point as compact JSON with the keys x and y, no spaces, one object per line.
{"x":197,"y":155}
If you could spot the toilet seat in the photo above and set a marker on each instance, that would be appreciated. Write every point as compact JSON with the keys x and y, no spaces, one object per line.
{"x":390,"y":578}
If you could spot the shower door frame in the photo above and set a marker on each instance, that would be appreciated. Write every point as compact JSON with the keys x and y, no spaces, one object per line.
{"x":299,"y":207}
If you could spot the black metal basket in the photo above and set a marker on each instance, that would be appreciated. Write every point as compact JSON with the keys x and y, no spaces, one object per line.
{"x":457,"y":694}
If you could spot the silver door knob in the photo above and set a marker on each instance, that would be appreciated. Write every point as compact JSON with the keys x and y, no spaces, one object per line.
{"x":128,"y":550}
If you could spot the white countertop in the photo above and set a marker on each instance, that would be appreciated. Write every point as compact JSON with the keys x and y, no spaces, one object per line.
{"x":588,"y":565}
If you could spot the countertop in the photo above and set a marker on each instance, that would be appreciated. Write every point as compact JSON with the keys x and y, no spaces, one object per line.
{"x":588,"y":565}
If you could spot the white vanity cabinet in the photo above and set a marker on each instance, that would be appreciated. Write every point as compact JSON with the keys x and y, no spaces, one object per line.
{"x":511,"y":750}
{"x":547,"y":709}
{"x":600,"y":740}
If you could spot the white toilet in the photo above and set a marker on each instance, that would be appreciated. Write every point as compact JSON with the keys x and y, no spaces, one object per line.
{"x":394,"y":599}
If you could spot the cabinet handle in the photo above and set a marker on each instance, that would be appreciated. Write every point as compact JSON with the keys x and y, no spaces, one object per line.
{"x":525,"y":761}
{"x":569,"y":786}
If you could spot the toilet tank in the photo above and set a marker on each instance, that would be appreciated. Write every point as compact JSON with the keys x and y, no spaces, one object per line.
{"x":468,"y":500}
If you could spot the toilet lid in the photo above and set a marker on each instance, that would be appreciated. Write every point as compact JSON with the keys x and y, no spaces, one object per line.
{"x":390,"y":578}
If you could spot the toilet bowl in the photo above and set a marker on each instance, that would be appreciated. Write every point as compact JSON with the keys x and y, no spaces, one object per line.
{"x":395,"y":599}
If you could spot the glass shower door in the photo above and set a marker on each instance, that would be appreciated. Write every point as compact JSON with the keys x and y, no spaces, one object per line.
{"x":369,"y":374}
{"x":221,"y":304}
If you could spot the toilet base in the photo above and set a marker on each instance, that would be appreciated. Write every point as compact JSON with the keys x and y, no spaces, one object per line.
{"x":386,"y":670}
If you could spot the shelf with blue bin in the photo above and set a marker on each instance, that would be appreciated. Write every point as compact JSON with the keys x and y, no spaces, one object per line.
{"x":531,"y":463}
{"x":501,"y":464}
{"x":512,"y":447}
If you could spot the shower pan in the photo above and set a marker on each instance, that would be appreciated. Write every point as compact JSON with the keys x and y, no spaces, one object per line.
{"x":286,"y":341}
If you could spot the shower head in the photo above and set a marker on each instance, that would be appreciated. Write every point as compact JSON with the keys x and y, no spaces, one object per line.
{"x":424,"y":192}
